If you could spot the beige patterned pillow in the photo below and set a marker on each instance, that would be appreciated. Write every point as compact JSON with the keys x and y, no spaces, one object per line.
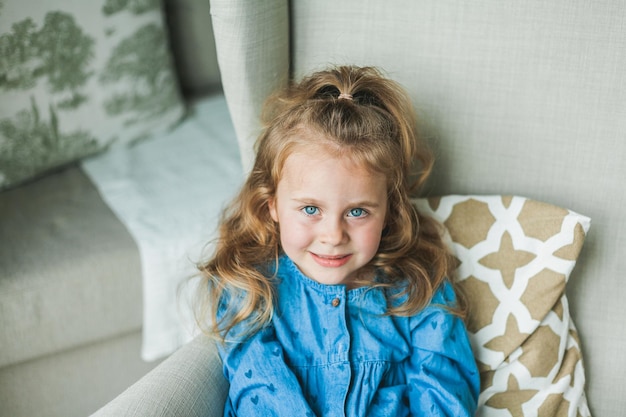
{"x":77,"y":77}
{"x":515,"y":256}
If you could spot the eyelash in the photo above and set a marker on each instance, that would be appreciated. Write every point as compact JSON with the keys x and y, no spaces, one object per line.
{"x":362,"y":212}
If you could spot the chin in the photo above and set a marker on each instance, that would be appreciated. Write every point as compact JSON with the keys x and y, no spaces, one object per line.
{"x":333,"y":279}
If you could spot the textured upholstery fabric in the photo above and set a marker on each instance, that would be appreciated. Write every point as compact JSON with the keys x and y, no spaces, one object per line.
{"x":188,"y":383}
{"x":249,"y":31}
{"x":518,"y":98}
{"x":50,"y":269}
{"x":72,"y":383}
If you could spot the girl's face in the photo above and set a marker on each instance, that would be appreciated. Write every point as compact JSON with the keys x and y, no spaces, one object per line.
{"x":331,"y":214}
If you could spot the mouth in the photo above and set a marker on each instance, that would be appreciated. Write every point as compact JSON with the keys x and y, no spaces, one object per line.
{"x":334,"y":261}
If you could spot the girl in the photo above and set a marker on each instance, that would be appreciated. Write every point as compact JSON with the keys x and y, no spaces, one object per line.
{"x":327,"y":289}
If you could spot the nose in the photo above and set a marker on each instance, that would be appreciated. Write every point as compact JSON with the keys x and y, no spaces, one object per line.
{"x":333,"y":232}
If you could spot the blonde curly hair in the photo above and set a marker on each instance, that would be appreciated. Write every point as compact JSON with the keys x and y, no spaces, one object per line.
{"x":366,"y":117}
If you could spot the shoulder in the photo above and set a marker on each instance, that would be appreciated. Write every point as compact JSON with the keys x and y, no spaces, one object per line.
{"x":444,"y":296}
{"x":440,"y":305}
{"x":436,"y":326}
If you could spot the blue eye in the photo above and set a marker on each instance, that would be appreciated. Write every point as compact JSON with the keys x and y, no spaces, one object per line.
{"x":310,"y":210}
{"x":356,"y":212}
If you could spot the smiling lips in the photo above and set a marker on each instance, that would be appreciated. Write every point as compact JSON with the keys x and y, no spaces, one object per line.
{"x":331,"y":261}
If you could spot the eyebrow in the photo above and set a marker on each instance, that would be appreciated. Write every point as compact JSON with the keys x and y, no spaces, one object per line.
{"x":314,"y":202}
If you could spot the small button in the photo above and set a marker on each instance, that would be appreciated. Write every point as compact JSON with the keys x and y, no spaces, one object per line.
{"x":336,"y":302}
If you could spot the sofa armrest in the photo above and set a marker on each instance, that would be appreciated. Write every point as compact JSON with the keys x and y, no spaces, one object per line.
{"x":188,"y":383}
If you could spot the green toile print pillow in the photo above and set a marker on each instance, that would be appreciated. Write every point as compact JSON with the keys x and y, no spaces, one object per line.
{"x":77,"y":77}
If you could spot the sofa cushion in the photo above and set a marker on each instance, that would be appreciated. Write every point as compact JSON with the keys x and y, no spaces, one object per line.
{"x":77,"y":77}
{"x":75,"y":382}
{"x":69,"y":270}
{"x":515,"y":256}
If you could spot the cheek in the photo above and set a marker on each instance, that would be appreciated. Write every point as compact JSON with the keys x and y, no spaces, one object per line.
{"x":371,"y":236}
{"x":293,"y":233}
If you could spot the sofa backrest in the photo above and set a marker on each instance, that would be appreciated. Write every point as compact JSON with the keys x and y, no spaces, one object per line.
{"x":517,"y":98}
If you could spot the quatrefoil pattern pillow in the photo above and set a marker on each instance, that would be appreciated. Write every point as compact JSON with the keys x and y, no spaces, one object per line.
{"x":515,"y":257}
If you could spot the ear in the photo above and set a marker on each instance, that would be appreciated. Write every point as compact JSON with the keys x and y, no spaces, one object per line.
{"x":271,"y":205}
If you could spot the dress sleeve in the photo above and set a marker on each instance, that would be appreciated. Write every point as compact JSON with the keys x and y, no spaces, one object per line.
{"x":261,"y":384}
{"x":442,"y":376}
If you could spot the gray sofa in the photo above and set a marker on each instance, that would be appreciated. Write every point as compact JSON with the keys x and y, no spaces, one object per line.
{"x":70,"y":272}
{"x":518,"y":98}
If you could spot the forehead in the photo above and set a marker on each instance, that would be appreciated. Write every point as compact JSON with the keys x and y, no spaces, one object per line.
{"x":306,"y":144}
{"x":317,"y":159}
{"x":322,"y":175}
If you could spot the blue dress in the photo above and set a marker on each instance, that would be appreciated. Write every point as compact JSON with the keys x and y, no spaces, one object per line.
{"x":332,"y":352}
